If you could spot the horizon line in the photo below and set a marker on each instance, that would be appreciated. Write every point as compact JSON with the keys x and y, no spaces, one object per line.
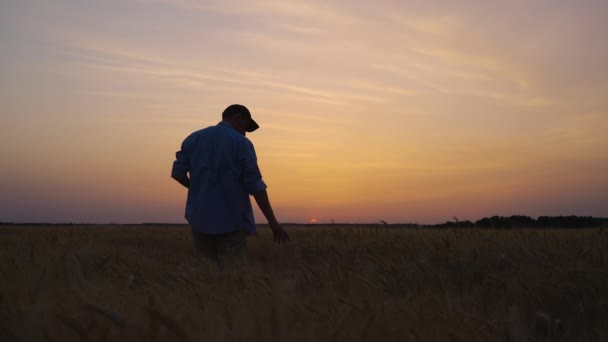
{"x":376,"y":223}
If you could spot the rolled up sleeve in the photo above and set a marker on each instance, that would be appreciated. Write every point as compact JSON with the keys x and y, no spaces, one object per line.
{"x":181,"y":165}
{"x":252,"y":177}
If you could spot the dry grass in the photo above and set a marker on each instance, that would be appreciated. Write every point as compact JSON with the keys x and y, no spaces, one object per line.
{"x":329,"y":284}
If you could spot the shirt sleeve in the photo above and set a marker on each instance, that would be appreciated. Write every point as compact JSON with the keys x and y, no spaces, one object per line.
{"x":181,"y":165}
{"x":252,"y":177}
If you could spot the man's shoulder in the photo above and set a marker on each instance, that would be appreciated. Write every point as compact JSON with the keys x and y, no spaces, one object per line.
{"x":232,"y":134}
{"x":203,"y":132}
{"x":220,"y":132}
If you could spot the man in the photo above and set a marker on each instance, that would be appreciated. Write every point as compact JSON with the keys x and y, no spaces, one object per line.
{"x":223,"y":173}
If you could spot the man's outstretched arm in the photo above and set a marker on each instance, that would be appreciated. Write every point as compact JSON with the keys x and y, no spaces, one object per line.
{"x":261,"y":198}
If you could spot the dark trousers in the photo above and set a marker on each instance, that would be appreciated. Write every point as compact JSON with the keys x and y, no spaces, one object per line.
{"x":221,"y":249}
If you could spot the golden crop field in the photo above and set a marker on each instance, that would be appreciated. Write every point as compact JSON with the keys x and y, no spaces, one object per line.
{"x":137,"y":283}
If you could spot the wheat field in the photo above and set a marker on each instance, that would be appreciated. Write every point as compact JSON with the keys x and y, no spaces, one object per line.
{"x":138,"y":283}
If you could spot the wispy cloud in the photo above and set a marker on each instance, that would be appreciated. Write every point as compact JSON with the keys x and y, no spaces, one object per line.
{"x":114,"y":56}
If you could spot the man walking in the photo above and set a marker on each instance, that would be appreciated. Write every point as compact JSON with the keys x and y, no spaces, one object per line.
{"x":223,"y":172}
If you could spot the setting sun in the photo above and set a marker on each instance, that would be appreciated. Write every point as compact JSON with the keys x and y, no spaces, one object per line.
{"x":314,"y":220}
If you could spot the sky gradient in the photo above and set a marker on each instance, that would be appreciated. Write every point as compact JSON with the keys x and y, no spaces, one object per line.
{"x":394,"y":110}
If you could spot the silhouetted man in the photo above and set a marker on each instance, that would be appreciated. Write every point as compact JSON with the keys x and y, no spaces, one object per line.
{"x":223,"y":173}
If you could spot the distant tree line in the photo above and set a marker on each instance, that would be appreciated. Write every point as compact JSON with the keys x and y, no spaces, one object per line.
{"x":520,"y":221}
{"x":500,"y":222}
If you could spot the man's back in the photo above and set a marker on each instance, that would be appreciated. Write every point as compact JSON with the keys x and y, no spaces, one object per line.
{"x":223,"y":173}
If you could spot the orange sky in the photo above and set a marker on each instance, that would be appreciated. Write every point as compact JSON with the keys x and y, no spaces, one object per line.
{"x":395,"y":110}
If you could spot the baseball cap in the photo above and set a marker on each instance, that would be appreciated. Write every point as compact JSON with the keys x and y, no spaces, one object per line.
{"x":237,"y":108}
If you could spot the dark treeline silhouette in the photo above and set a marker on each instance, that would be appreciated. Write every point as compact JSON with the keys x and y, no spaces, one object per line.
{"x":520,"y":221}
{"x":500,"y":222}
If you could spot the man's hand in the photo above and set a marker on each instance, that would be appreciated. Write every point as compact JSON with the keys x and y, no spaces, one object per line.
{"x":280,"y":235}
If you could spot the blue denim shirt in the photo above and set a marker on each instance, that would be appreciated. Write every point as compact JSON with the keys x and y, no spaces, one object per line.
{"x":223,"y":173}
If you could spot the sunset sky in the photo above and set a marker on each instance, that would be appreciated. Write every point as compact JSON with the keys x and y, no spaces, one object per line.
{"x":403,"y":111}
